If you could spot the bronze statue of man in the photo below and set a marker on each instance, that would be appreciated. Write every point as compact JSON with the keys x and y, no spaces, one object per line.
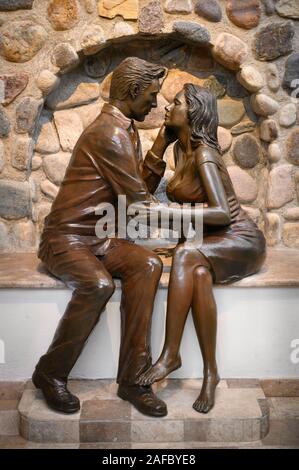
{"x":106,"y":162}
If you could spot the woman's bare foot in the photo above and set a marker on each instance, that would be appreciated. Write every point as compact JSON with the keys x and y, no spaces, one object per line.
{"x":159,"y":371}
{"x":206,"y":399}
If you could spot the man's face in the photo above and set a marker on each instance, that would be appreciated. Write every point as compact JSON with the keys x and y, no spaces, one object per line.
{"x":145,"y":101}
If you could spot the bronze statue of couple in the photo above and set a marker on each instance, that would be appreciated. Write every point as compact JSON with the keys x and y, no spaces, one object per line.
{"x":107,"y":162}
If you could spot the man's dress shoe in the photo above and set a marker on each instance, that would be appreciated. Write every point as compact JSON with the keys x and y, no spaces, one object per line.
{"x":143,"y":398}
{"x":56,"y":394}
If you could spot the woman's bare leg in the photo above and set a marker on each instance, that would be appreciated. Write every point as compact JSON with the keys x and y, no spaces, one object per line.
{"x":204,"y":312}
{"x":180,"y":294}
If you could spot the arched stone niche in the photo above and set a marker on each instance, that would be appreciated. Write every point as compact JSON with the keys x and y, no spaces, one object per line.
{"x":71,"y":83}
{"x":78,"y":99}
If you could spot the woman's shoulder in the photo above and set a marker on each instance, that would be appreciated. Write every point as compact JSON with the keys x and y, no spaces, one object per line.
{"x":204,"y":153}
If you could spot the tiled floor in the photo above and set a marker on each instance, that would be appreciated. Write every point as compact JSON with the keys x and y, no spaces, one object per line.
{"x":241,"y":418}
{"x":17,"y":442}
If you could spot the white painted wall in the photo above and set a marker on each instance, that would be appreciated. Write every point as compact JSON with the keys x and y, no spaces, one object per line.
{"x":257,"y":333}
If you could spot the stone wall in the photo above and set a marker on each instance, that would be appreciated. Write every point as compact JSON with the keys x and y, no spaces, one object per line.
{"x":56,"y":59}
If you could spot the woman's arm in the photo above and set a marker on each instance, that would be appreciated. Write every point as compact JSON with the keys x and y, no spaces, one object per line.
{"x":218,"y":211}
{"x":216,"y":214}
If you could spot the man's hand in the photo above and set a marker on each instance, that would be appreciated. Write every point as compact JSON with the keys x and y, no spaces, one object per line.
{"x":167,"y":135}
{"x":164,"y":138}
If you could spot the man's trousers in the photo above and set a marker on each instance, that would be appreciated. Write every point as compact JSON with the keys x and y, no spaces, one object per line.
{"x":90,"y":276}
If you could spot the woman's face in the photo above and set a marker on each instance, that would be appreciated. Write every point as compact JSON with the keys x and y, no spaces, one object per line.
{"x":176,"y":115}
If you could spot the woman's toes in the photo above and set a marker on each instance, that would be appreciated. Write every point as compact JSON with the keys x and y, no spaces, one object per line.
{"x":156,"y":375}
{"x":141,"y":381}
{"x":144,"y":378}
{"x":202,"y":405}
{"x":157,"y":372}
{"x":149,"y":378}
{"x":147,"y":381}
{"x":206,"y":407}
{"x":196,"y":405}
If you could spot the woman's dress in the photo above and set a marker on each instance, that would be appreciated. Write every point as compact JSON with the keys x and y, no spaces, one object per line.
{"x":234,"y":251}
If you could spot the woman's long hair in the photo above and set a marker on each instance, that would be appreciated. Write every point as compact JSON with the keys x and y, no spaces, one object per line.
{"x":202,"y":115}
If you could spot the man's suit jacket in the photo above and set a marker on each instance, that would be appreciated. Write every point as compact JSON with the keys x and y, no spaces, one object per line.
{"x":106,"y":162}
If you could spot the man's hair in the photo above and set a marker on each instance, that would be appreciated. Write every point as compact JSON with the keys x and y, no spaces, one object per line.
{"x":131,"y":71}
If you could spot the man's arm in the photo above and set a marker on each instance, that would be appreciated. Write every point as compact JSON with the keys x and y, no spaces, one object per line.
{"x":153,"y":167}
{"x":118,"y":165}
{"x":152,"y":170}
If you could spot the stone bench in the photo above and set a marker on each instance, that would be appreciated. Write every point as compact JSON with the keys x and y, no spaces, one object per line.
{"x":25,"y":270}
{"x":257,"y":327}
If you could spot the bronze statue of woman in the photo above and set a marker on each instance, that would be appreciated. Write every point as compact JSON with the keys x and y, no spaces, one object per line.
{"x":233,"y":246}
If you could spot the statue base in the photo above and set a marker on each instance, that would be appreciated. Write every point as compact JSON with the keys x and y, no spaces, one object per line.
{"x":241,"y":414}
